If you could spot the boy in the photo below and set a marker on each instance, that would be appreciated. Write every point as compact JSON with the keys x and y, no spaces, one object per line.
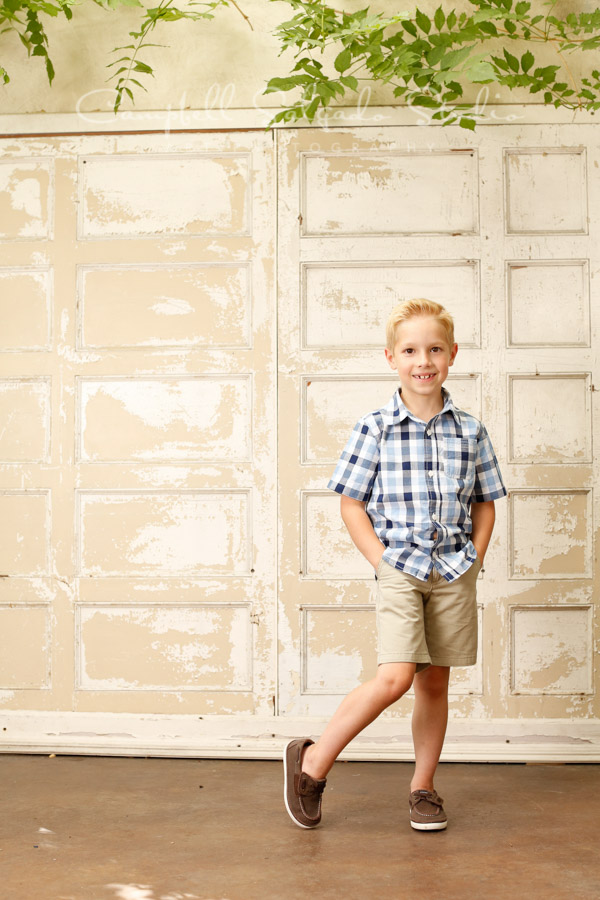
{"x":418,"y":480}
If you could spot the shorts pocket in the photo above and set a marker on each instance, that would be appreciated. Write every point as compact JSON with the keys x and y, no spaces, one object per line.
{"x":458,"y":456}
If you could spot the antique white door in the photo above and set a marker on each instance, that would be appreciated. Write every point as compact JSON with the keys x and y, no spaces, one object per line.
{"x":503,"y":228}
{"x":137,"y":438}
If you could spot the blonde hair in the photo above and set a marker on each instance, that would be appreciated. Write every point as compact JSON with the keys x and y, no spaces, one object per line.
{"x":418,"y":307}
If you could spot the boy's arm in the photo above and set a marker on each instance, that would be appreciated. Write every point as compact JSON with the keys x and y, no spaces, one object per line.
{"x":361,"y":530}
{"x":483,"y":516}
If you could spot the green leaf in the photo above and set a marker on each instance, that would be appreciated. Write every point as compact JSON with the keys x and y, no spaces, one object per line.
{"x":410,"y":27}
{"x":467,"y":123}
{"x":426,"y":101}
{"x":142,"y":67}
{"x":480,"y":72}
{"x":280,"y":84}
{"x":512,"y":61}
{"x":422,"y":21}
{"x":325,"y":92}
{"x":49,"y":70}
{"x":434,"y":56}
{"x":487,"y":14}
{"x":439,"y":18}
{"x":527,"y":60}
{"x":350,"y":82}
{"x":343,"y":60}
{"x":311,"y":109}
{"x":451,"y":60}
{"x":451,"y":21}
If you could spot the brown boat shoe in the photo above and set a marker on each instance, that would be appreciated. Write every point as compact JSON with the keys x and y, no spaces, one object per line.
{"x":427,"y":811}
{"x":301,"y":792}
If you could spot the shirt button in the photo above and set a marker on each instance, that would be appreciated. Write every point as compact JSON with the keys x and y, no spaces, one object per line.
{"x":430,"y":473}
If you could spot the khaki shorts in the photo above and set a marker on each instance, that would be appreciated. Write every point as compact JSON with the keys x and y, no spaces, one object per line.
{"x":431,"y":622}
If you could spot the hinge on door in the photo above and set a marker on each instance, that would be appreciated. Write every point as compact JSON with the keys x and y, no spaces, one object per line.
{"x":255,"y":619}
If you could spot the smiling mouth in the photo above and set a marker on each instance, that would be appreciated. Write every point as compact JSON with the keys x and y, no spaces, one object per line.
{"x":425,"y":377}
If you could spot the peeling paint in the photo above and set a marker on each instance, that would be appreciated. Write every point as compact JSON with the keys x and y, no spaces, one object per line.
{"x":188,"y":419}
{"x":165,"y":306}
{"x":408,"y":193}
{"x":25,"y":199}
{"x":158,"y":195}
{"x":181,"y":648}
{"x":175,"y":463}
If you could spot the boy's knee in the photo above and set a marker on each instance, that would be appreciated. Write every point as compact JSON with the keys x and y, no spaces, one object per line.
{"x":395,"y":679}
{"x":433,"y":680}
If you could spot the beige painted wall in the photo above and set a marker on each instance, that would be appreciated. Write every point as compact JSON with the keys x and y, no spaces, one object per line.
{"x":208,"y":65}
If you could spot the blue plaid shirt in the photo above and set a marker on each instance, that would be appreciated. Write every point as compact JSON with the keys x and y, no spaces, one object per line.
{"x":418,"y":480}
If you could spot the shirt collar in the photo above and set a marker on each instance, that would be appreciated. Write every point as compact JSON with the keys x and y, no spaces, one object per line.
{"x":396,"y":412}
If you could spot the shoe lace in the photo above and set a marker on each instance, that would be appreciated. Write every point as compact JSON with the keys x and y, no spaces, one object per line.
{"x":430,"y":797}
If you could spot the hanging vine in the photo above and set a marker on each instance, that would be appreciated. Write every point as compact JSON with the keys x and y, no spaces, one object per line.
{"x":425,"y":60}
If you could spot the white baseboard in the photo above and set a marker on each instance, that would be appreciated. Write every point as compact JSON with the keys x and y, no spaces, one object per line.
{"x":245,"y":737}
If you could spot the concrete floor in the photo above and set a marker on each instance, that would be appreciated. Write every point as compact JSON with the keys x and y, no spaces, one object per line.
{"x":102,"y":828}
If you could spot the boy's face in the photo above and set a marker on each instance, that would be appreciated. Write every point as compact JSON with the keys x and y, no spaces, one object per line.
{"x":421,"y":356}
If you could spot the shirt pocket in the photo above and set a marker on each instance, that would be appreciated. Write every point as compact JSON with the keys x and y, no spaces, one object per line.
{"x":458,"y":457}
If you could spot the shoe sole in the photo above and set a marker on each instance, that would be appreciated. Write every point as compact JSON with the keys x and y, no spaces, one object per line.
{"x":285,"y":782}
{"x":428,"y":826}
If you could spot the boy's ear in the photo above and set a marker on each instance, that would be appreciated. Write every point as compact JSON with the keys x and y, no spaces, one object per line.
{"x":390,"y":358}
{"x":453,"y":353}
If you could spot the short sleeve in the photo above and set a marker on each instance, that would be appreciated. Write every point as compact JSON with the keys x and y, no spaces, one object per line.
{"x":356,"y":468}
{"x":488,"y":479}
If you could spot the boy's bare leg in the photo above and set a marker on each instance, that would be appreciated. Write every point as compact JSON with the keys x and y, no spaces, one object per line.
{"x":356,"y":711}
{"x":430,"y":717}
